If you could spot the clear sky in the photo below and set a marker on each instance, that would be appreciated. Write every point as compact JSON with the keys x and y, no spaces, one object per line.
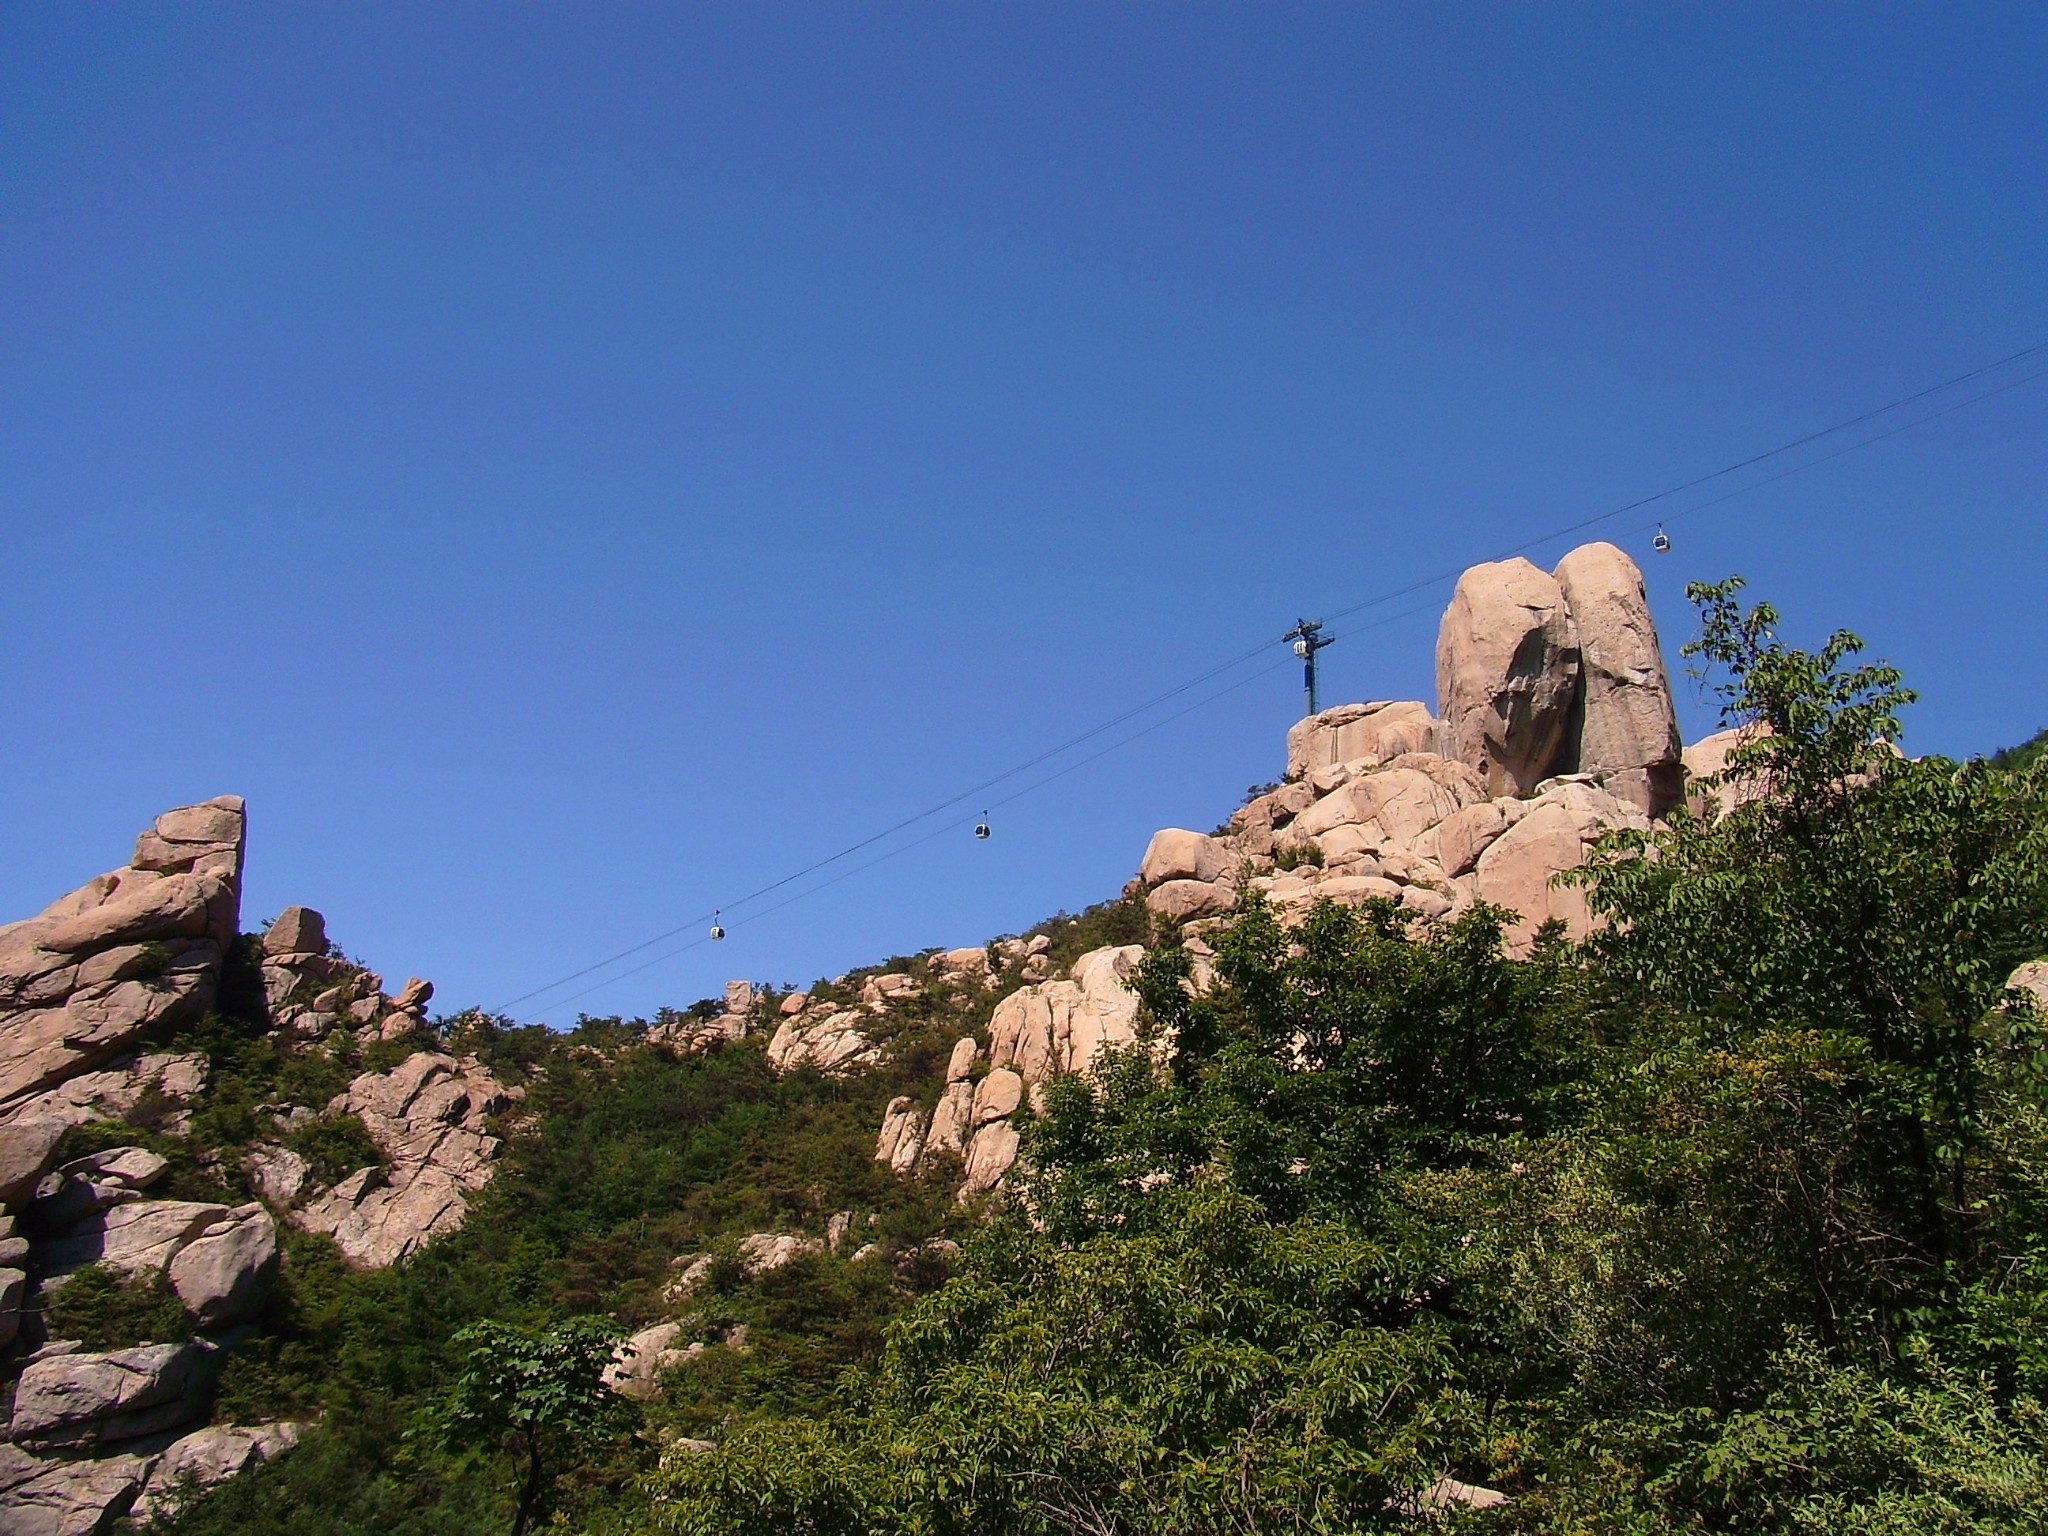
{"x":571,"y":465}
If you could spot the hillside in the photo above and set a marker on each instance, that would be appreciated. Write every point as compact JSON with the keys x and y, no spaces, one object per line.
{"x":1411,"y":1142}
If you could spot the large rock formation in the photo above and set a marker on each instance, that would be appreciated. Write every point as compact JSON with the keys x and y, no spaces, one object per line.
{"x":1038,"y":1031}
{"x":1556,"y":727}
{"x":93,"y":994}
{"x":1507,"y":671}
{"x":71,"y":1399}
{"x":428,"y":1117}
{"x":1623,"y":727}
{"x":136,"y":949}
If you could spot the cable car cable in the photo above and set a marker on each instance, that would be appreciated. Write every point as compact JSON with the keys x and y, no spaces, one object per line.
{"x":1372,"y":602}
{"x":1783,"y":448}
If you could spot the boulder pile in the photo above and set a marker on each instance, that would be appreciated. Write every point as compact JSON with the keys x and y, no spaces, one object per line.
{"x":312,"y":991}
{"x":136,"y":949}
{"x":428,"y":1116}
{"x":1037,"y":1032}
{"x":94,"y":992}
{"x":1554,"y":724}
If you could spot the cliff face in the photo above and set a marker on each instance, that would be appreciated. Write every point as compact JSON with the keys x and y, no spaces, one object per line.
{"x":129,"y":952}
{"x":105,"y":1002}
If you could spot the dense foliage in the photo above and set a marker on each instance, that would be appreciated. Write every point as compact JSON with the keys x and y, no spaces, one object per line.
{"x":1731,"y":1219}
{"x":1728,"y":1220}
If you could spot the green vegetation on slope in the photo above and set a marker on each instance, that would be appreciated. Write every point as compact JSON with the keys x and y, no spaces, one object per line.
{"x":1733,"y":1219}
{"x":2025,"y":755}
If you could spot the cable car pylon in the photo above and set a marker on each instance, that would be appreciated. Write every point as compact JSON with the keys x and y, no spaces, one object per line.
{"x":1309,"y":638}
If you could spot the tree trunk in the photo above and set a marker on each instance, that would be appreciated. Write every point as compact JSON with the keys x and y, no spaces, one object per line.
{"x":533,"y":1485}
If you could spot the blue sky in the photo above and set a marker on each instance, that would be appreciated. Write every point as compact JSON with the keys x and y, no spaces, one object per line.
{"x":570,"y":466}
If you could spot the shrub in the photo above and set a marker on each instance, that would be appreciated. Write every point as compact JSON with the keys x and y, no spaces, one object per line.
{"x":104,"y":1309}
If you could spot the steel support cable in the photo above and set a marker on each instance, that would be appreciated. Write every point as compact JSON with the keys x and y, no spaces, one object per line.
{"x":909,"y":821}
{"x":941,"y":831}
{"x":1778,"y":452}
{"x":1391,"y":595}
{"x":955,"y":826}
{"x":1864,"y":442}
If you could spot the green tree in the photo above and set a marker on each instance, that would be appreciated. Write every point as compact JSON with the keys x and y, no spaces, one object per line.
{"x":1858,"y":913}
{"x":1217,"y":1373}
{"x":535,"y":1396}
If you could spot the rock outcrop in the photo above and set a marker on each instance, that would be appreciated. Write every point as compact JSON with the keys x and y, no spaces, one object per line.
{"x":1623,"y":727}
{"x":428,"y":1117}
{"x":1038,"y":1031}
{"x":1358,"y":733}
{"x":94,"y":991}
{"x":830,"y":1039}
{"x":1556,"y":726}
{"x":74,"y":1399}
{"x":635,"y":1371}
{"x":130,"y":951}
{"x":66,"y":1498}
{"x":311,"y":991}
{"x":1507,"y":671}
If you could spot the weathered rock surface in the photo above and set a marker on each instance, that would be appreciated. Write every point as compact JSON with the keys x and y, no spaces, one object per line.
{"x":65,"y":1498}
{"x":28,"y":1148}
{"x":1061,"y":1026}
{"x":1518,"y":868}
{"x":295,"y":932}
{"x":829,"y":1039}
{"x":117,"y":1086}
{"x":989,"y":1157}
{"x":636,"y":1370}
{"x":130,"y":950}
{"x":953,"y":1118}
{"x":1623,"y":727}
{"x":428,"y":1117}
{"x":83,"y":1399}
{"x":1036,"y":1033}
{"x":902,"y":1134}
{"x":1182,"y":901}
{"x":223,"y":1275}
{"x":276,"y":1174}
{"x":1361,"y":734}
{"x":1178,"y":854}
{"x":1710,"y":787}
{"x":207,"y":1457}
{"x":1507,"y":671}
{"x":139,"y":1237}
{"x":763,"y":1251}
{"x":129,"y":1167}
